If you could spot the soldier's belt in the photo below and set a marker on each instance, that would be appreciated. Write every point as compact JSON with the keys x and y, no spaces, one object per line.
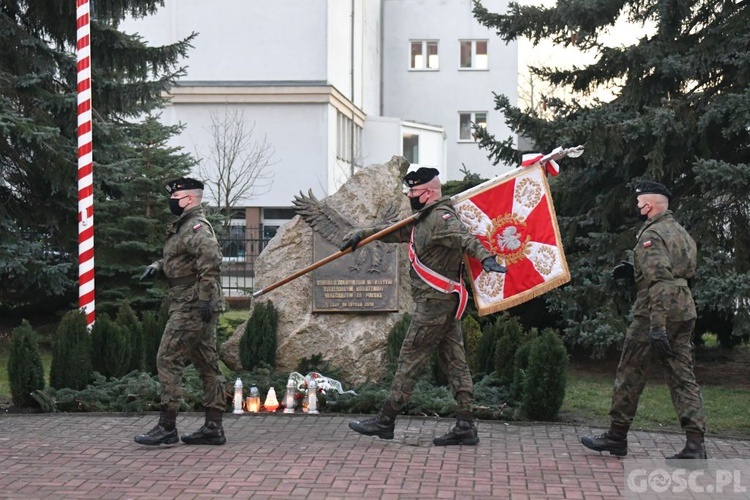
{"x":675,"y":282}
{"x":184,"y":280}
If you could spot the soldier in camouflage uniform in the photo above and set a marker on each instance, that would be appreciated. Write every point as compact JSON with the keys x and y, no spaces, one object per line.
{"x":439,"y":242}
{"x":663,"y":321}
{"x":192,"y":265}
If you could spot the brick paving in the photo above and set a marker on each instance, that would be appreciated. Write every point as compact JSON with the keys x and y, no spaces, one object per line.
{"x":314,"y":457}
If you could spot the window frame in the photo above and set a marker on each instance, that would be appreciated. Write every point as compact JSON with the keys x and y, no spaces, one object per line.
{"x":425,"y":54}
{"x":474,"y":54}
{"x":472,"y":120}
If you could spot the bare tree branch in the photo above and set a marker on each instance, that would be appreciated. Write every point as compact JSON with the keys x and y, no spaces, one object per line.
{"x":237,"y":167}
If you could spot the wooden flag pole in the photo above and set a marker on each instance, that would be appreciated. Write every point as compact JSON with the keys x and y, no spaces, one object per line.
{"x":332,"y":257}
{"x":554,"y":155}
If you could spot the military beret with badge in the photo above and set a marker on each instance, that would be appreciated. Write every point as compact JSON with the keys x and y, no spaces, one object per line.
{"x":652,"y":187}
{"x":422,"y":175}
{"x":183,"y":184}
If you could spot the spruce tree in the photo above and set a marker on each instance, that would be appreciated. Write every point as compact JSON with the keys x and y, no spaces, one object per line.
{"x":133,"y":330}
{"x":38,"y":148}
{"x":679,"y":116}
{"x":25,"y":368}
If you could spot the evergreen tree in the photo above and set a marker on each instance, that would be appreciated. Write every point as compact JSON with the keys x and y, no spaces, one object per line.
{"x":258,"y":343}
{"x":110,"y":352}
{"x":71,"y":353}
{"x":680,"y":116}
{"x":133,"y":330}
{"x":38,"y":146}
{"x":25,"y":368}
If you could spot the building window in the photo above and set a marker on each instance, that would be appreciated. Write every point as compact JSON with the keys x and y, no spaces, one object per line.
{"x":348,"y":140}
{"x":468,"y":122}
{"x":233,"y":247}
{"x":424,"y":55}
{"x":474,"y":54}
{"x":271,"y":220}
{"x":411,"y":147}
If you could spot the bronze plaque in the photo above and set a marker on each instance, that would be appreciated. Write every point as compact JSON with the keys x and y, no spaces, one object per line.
{"x":363,"y":281}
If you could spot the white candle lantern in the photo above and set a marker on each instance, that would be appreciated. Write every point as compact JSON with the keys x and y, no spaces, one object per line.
{"x":238,"y":396}
{"x":289,"y":396}
{"x":312,"y":397}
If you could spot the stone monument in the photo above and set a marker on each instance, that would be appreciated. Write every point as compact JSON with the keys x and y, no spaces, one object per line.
{"x":353,"y":341}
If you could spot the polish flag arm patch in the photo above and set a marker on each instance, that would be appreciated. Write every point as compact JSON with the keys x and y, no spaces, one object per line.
{"x":446,"y":216}
{"x":197,"y":227}
{"x":647,"y":243}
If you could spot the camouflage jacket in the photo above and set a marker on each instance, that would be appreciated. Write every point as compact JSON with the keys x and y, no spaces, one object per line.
{"x":665,"y":257}
{"x":440,"y":242}
{"x":192,"y":260}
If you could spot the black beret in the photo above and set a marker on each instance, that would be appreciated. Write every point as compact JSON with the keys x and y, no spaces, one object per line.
{"x":423,"y":175}
{"x":182,"y":184}
{"x":651,"y":187}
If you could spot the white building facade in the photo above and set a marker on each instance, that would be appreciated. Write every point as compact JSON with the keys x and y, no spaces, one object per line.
{"x":335,"y":85}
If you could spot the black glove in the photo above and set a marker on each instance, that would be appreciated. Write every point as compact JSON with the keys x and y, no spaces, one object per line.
{"x":624,"y":271}
{"x":490,"y":264}
{"x":149,"y":272}
{"x":353,"y":241}
{"x":206,"y":310}
{"x":660,"y":343}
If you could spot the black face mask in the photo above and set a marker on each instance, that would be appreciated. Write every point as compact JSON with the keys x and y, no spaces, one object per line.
{"x":174,"y":206}
{"x":642,"y":217}
{"x":416,"y":204}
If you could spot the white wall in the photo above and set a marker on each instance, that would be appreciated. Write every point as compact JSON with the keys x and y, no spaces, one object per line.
{"x":437,"y":97}
{"x":240,"y":40}
{"x":297,"y":133}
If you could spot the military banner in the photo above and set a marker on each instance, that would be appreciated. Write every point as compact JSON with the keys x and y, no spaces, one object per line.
{"x":515,"y":219}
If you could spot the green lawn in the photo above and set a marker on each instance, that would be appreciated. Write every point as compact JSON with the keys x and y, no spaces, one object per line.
{"x":587,"y":399}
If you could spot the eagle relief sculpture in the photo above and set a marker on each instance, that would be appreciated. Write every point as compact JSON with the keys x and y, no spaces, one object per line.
{"x":336,"y":229}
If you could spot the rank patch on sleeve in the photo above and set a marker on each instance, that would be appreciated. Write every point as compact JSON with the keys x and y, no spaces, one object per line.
{"x":446,"y":216}
{"x":197,"y":227}
{"x":646,"y":243}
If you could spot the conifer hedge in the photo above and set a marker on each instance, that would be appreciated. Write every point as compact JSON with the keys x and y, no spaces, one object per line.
{"x":546,"y":377}
{"x":258,"y":343}
{"x":71,"y":353}
{"x":25,"y":368}
{"x":110,"y":352}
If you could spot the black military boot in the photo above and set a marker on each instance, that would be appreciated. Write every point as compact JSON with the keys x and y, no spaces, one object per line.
{"x":381,"y":425}
{"x":615,"y":441}
{"x":464,"y":432}
{"x":695,"y":448}
{"x":211,"y":432}
{"x":165,"y":431}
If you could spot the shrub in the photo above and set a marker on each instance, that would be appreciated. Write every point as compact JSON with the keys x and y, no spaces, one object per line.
{"x":472,"y":335}
{"x":25,"y":368}
{"x":133,"y":331}
{"x":395,"y":338}
{"x":71,"y":353}
{"x":510,"y":339}
{"x":520,"y":365}
{"x":546,"y":377}
{"x":110,"y":353}
{"x":153,"y":328}
{"x":258,"y":343}
{"x":485,"y":359}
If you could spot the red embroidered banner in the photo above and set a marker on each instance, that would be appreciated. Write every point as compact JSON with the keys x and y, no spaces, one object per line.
{"x":515,"y":219}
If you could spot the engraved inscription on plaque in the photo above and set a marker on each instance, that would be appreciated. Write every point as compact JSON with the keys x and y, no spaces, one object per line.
{"x":363,"y":281}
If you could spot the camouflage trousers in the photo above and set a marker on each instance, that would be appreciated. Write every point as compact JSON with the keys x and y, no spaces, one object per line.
{"x":186,"y":339}
{"x":637,"y":357}
{"x":433,"y":328}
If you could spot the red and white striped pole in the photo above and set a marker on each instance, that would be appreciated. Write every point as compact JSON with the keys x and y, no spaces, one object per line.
{"x":85,"y":165}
